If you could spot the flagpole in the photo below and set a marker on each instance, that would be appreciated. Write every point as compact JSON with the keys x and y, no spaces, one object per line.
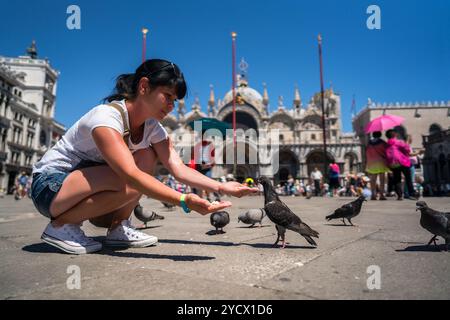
{"x":319,"y":38}
{"x":233,"y":64}
{"x":144,"y":43}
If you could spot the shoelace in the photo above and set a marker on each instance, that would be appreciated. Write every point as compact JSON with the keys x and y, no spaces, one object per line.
{"x":78,"y":232}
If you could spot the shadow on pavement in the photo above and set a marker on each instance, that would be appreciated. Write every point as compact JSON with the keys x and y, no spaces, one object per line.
{"x":255,"y":226}
{"x":423,"y":248}
{"x":41,"y":248}
{"x":271,"y":246}
{"x":116,"y":252}
{"x":338,"y":225}
{"x":128,"y":254}
{"x":216,"y":243}
{"x":214,"y":232}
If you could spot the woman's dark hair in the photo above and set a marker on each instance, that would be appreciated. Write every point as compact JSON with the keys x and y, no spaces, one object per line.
{"x":376,"y":134}
{"x":390,"y":134}
{"x":159,"y":73}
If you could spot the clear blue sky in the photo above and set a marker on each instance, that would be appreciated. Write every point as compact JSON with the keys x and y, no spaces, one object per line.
{"x":407,"y":60}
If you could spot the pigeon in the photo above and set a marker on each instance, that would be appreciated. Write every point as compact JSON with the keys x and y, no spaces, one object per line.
{"x":219,"y":220}
{"x":168,"y":205}
{"x":146,"y":216}
{"x":280,"y":214}
{"x":348,"y":211}
{"x":252,"y":216}
{"x":438,"y":223}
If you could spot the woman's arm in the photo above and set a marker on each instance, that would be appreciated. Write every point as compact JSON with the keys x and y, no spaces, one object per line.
{"x":172,"y":161}
{"x":119,"y":158}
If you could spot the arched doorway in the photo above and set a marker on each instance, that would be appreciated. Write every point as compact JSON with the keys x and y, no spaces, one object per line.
{"x":434,"y":128}
{"x":317,"y":159}
{"x":288,"y":165}
{"x":243,"y":120}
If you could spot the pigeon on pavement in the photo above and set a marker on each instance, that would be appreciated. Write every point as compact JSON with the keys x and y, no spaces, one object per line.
{"x":348,"y":211}
{"x":436,"y":222}
{"x":280,"y":214}
{"x":144,"y":215}
{"x":219,"y":220}
{"x":252,"y":217}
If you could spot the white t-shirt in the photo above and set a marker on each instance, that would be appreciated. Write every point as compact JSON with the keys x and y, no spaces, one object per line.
{"x":316,"y":175}
{"x":77,"y":149}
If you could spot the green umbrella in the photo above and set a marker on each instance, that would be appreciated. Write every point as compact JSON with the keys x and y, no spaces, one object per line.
{"x":211,"y":123}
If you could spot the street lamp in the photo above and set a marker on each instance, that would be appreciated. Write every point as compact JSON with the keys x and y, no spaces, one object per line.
{"x":233,"y":67}
{"x":144,"y":42}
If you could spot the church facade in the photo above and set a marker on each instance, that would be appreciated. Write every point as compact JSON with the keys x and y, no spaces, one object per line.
{"x":299,"y":143}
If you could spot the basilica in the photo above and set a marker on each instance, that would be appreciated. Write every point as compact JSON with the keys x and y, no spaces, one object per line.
{"x":299,"y":128}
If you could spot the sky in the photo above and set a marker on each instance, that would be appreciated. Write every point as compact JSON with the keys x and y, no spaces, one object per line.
{"x":408,"y":59}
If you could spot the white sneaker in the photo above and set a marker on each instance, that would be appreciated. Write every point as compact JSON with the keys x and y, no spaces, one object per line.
{"x":127,"y":236}
{"x":70,"y":238}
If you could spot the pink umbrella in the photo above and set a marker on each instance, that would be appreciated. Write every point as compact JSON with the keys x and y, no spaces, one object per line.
{"x":384,"y":122}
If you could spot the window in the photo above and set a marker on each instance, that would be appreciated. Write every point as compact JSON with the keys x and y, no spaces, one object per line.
{"x":281,"y":137}
{"x":313,"y":137}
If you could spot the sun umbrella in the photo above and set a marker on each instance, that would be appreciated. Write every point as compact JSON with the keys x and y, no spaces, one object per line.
{"x":211,"y":123}
{"x":384,"y":122}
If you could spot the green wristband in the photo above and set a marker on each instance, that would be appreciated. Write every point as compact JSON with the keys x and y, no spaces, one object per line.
{"x":183,"y":204}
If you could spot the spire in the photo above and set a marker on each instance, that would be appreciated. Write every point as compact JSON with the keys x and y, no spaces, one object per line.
{"x":297,"y":99}
{"x":242,"y":78}
{"x":32,"y":51}
{"x":280,"y":103}
{"x":181,"y":109}
{"x":196,"y":106}
{"x":211,"y":101}
{"x":265,"y":95}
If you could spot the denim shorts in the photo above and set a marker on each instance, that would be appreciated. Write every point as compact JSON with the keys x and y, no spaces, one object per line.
{"x":44,"y":188}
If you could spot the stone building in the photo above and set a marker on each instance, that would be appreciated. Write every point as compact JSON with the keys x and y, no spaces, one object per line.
{"x":299,"y":125}
{"x":27,"y":109}
{"x":436,"y":160}
{"x":421,"y":119}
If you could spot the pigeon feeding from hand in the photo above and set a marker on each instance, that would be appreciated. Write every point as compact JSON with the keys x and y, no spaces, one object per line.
{"x":438,"y":223}
{"x":219,"y":220}
{"x":252,"y":217}
{"x":145,"y":216}
{"x":280,"y":214}
{"x":348,"y":211}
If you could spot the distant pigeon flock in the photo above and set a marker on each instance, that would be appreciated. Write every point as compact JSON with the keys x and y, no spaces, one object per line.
{"x":252,"y":217}
{"x":219,"y":220}
{"x":348,"y":211}
{"x":436,"y":222}
{"x":280,"y":214}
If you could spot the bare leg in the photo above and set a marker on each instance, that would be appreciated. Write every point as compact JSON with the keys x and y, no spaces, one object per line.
{"x":373,"y":185}
{"x":96,"y":191}
{"x":382,"y":183}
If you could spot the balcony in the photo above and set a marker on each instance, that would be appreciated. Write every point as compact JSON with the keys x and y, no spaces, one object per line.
{"x":4,"y":122}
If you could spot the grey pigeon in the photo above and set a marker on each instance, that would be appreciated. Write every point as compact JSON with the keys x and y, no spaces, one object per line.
{"x":252,"y":216}
{"x":438,"y":223}
{"x":348,"y":211}
{"x":219,"y":220}
{"x":145,"y":216}
{"x":168,"y":205}
{"x":280,"y":214}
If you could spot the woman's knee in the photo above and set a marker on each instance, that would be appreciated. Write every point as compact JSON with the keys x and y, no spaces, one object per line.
{"x":146,"y":159}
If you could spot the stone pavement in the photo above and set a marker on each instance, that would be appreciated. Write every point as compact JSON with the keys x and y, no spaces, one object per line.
{"x":190,"y":262}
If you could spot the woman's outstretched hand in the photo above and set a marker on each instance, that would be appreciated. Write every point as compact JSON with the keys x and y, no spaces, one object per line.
{"x":236,"y":189}
{"x":202,"y":206}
